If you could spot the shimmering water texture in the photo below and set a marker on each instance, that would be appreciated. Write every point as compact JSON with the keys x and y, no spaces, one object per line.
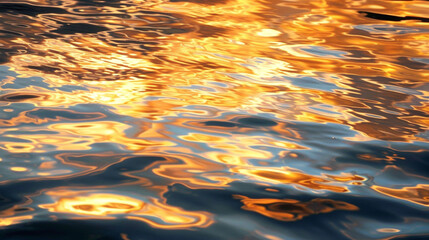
{"x":222,"y":119}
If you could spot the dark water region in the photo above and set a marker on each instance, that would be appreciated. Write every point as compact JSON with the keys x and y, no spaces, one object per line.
{"x":224,"y":119}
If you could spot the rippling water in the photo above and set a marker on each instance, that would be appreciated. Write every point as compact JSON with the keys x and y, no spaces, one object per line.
{"x":222,"y":119}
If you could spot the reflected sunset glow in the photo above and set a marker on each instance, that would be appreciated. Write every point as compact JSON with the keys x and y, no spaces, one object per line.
{"x":223,"y":119}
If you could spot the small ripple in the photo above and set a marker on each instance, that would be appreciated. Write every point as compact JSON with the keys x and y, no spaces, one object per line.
{"x":256,"y":122}
{"x":386,"y":17}
{"x":20,"y":97}
{"x":293,"y":210}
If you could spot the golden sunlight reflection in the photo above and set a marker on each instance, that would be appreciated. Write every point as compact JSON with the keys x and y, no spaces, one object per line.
{"x":109,"y":205}
{"x":292,"y":176}
{"x":79,"y":136}
{"x":96,"y":205}
{"x":6,"y":221}
{"x":239,"y":44}
{"x":291,"y":209}
{"x":418,"y":194}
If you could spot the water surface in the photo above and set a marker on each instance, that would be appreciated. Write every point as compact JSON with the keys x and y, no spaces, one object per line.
{"x":223,"y":119}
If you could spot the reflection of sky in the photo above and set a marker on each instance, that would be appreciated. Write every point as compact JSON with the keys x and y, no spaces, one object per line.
{"x":323,"y":52}
{"x":422,"y":60}
{"x":389,"y":29}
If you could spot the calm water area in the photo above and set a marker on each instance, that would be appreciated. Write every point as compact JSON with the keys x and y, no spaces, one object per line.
{"x":214,"y":119}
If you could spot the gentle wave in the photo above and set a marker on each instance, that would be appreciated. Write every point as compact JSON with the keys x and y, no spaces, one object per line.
{"x":229,"y":119}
